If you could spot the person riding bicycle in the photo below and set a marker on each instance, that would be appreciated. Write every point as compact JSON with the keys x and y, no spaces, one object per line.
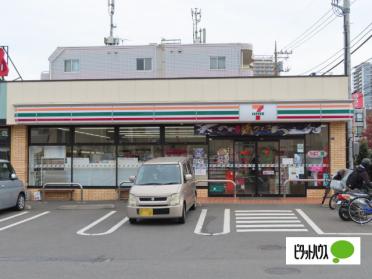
{"x":359,"y":178}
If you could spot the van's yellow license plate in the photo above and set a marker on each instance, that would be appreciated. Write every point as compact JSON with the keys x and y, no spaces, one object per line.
{"x":145,"y":212}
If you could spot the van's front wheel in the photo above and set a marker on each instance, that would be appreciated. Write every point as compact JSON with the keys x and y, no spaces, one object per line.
{"x":193,"y":207}
{"x":182,"y":220}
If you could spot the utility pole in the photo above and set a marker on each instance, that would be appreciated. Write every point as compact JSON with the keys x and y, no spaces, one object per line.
{"x":279,"y":55}
{"x":276,"y":61}
{"x":344,"y":11}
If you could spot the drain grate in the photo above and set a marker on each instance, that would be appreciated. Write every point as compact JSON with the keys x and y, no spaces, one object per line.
{"x":282,"y":270}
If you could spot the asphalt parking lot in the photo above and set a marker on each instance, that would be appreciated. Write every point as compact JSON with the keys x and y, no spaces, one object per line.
{"x":66,"y":240}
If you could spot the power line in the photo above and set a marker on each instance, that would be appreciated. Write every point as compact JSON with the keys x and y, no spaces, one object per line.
{"x":314,"y":29}
{"x":339,"y":55}
{"x":340,"y":50}
{"x":307,"y":30}
{"x":365,"y":41}
{"x":320,"y":28}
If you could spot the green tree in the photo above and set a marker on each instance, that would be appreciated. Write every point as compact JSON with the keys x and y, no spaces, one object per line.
{"x":363,"y":152}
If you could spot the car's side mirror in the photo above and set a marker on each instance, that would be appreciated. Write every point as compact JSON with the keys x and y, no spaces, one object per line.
{"x":188,"y":177}
{"x":13,"y":176}
{"x":132,"y":178}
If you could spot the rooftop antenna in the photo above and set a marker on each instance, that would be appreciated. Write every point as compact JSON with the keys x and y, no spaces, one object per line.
{"x":111,"y":40}
{"x":198,"y":35}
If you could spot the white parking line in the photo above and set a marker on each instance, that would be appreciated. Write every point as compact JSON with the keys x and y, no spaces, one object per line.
{"x":13,"y":216}
{"x":310,"y":222}
{"x":320,"y":231}
{"x":200,"y":223}
{"x":109,"y":231}
{"x":24,"y":221}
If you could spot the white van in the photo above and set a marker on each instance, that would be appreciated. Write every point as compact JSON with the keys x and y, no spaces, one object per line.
{"x":163,"y":188}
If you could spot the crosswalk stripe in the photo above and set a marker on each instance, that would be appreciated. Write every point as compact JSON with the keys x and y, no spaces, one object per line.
{"x":272,"y":226}
{"x":258,"y":211}
{"x":264,"y":214}
{"x":271,"y":230}
{"x":268,"y":221}
{"x":264,"y":217}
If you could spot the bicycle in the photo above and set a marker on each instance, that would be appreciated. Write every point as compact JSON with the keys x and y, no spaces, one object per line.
{"x":360,"y":210}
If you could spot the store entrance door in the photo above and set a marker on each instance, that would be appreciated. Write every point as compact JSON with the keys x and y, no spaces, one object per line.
{"x":267,"y":168}
{"x":257,"y":167}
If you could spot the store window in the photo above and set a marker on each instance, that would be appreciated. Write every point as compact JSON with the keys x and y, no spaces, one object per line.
{"x":103,"y":135}
{"x":317,"y":156}
{"x":131,"y":157}
{"x":182,"y":134}
{"x":94,"y":165}
{"x":139,"y":134}
{"x":49,"y":155}
{"x":292,"y":165}
{"x":182,"y":141}
{"x":221,"y":166}
{"x":49,"y":164}
{"x":59,"y":135}
{"x":5,"y":144}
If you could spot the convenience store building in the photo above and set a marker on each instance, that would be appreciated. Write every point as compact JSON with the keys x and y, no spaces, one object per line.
{"x":257,"y":131}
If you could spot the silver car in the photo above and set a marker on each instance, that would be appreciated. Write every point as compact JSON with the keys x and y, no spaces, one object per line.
{"x":163,"y":188}
{"x":12,"y":192}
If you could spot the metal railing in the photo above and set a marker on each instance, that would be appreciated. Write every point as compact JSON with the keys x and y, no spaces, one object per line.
{"x":285,"y":184}
{"x":63,"y":184}
{"x":218,"y":180}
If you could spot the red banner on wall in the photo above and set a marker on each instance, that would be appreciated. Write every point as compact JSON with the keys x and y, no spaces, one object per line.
{"x":358,"y":99}
{"x":4,"y":70}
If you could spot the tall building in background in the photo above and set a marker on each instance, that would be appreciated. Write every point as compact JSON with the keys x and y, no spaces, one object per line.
{"x":362,"y":81}
{"x":170,"y":59}
{"x":263,"y":65}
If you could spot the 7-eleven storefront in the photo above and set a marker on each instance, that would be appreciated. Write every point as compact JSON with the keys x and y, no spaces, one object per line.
{"x":98,"y":133}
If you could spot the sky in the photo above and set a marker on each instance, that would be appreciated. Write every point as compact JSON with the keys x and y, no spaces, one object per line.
{"x":34,"y":29}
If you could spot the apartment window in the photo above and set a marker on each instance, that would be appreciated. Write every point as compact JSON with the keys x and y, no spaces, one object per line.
{"x":72,"y":66}
{"x":359,"y":117}
{"x":217,"y":62}
{"x":144,"y":64}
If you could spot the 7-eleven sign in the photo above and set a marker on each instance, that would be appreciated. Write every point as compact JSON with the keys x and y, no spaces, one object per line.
{"x":258,"y":111}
